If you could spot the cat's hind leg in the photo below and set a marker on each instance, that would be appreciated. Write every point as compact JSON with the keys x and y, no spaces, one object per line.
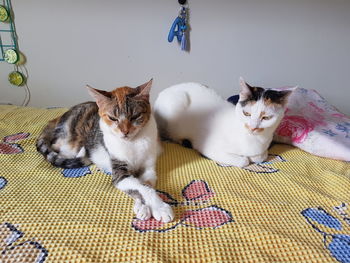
{"x":169,"y":109}
{"x":65,"y":149}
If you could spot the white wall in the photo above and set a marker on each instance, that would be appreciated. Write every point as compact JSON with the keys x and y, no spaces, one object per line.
{"x":112,"y":43}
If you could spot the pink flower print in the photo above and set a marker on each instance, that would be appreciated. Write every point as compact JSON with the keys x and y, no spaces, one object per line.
{"x":208,"y":217}
{"x":197,"y":190}
{"x":339,"y":115}
{"x":9,"y":147}
{"x":316,"y":108}
{"x":16,"y":137}
{"x":196,"y":193}
{"x":295,"y":127}
{"x":212,"y":216}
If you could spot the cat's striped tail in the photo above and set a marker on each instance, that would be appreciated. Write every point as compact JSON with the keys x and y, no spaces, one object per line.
{"x":44,"y":146}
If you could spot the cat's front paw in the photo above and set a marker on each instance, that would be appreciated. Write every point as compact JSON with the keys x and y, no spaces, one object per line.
{"x":231,"y":160}
{"x":142,"y":211}
{"x":237,"y":162}
{"x":163,"y":213}
{"x":259,"y":158}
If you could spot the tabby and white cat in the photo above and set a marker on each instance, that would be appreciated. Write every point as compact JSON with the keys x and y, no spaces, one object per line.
{"x":118,"y":133}
{"x":228,"y":134}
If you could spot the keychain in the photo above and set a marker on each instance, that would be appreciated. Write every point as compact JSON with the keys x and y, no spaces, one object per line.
{"x":179,"y":27}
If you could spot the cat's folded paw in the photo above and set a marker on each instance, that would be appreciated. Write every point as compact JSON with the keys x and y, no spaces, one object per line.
{"x":238,"y":162}
{"x":231,"y":160}
{"x":242,"y":162}
{"x":142,"y":211}
{"x":259,"y":158}
{"x":163,"y":213}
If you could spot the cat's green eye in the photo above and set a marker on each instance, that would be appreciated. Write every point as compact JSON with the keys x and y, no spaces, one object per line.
{"x":112,"y":118}
{"x":246,"y":113}
{"x":265,"y":118}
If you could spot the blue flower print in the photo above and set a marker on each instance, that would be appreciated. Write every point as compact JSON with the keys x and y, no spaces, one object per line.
{"x":3,"y":182}
{"x":329,"y":132}
{"x":76,"y":172}
{"x":337,"y":244}
{"x":344,"y":127}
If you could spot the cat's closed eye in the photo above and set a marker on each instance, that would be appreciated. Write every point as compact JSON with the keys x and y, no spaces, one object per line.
{"x":137,"y":118}
{"x":265,"y":118}
{"x":113,"y":118}
{"x":246,"y":113}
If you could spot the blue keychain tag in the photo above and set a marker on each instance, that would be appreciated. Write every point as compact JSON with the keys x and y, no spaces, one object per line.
{"x":178,"y":29}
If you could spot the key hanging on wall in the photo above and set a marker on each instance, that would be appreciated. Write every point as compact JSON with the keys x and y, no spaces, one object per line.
{"x":179,"y":28}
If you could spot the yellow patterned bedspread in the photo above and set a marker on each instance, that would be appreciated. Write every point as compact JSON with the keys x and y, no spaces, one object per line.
{"x":292,"y":208}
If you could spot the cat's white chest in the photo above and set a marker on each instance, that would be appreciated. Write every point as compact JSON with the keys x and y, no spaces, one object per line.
{"x":133,"y":152}
{"x":252,"y":145}
{"x":233,"y":137}
{"x":137,"y":152}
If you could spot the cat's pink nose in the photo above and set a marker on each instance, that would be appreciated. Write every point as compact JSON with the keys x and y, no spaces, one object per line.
{"x":256,"y":130}
{"x":253,"y":129}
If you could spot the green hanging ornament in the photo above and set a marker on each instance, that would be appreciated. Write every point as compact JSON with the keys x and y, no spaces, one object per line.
{"x":4,"y":14}
{"x":16,"y":78}
{"x":11,"y":56}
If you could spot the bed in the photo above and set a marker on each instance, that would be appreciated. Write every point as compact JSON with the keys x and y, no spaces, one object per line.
{"x":291,"y":208}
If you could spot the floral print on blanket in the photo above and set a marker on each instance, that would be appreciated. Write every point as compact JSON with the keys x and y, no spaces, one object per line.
{"x":27,"y":251}
{"x":331,"y":230}
{"x":344,"y":127}
{"x":315,"y":126}
{"x":295,"y":127}
{"x":8,"y":145}
{"x":3,"y":182}
{"x":197,"y":192}
{"x":76,"y":172}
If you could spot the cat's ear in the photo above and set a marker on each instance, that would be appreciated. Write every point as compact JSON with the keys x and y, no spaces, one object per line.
{"x":144,"y":90}
{"x":245,"y":92}
{"x":101,"y":97}
{"x":283,"y":97}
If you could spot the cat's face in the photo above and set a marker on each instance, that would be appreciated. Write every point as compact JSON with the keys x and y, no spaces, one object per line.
{"x":125,"y":110}
{"x":260,"y":108}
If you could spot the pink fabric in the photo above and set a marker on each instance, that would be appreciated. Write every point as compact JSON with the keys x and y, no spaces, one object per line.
{"x":314,"y":126}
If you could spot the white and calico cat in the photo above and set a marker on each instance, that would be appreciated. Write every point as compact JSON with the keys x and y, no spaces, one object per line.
{"x":118,"y":133}
{"x":228,"y":134}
